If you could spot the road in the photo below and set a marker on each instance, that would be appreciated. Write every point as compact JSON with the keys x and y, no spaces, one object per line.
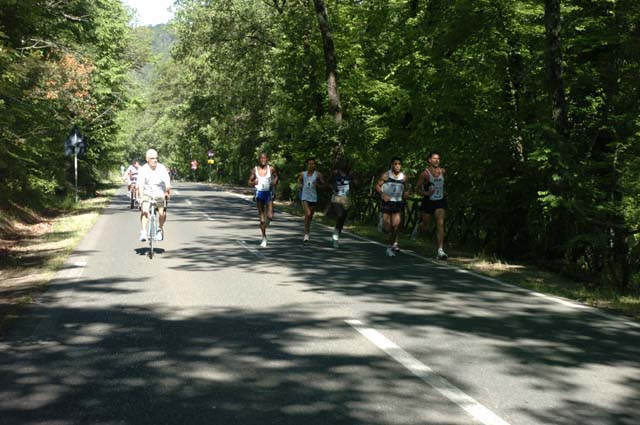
{"x":216,"y":330}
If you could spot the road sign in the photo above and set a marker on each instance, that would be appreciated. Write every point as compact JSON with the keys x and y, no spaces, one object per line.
{"x":210,"y":154}
{"x":211,"y":161}
{"x":75,"y":144}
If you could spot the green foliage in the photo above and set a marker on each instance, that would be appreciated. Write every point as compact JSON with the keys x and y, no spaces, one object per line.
{"x":62,"y":64}
{"x":469,"y":78}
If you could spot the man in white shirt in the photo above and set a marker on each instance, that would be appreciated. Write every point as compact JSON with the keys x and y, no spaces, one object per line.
{"x":153,"y":183}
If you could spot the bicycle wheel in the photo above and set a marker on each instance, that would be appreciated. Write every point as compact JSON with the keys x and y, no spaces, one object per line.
{"x":151,"y":233}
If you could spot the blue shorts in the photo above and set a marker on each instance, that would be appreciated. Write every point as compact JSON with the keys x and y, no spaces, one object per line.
{"x":264,"y":196}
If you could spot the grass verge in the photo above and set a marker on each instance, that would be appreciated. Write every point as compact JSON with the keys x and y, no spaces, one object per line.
{"x":31,"y":253}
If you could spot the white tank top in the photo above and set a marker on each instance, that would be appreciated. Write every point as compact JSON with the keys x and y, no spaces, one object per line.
{"x":394,"y":186}
{"x":264,"y":182}
{"x":438,"y":186}
{"x":309,"y":192}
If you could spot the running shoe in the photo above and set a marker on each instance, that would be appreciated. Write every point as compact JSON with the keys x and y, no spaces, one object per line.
{"x":335,"y":235}
{"x":390,"y":252}
{"x":306,"y":238}
{"x":143,"y":236}
{"x":159,"y":235}
{"x":263,"y":243}
{"x":395,"y":247}
{"x":441,"y":254}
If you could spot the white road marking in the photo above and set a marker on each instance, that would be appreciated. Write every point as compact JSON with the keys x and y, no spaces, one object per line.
{"x":552,"y":298}
{"x":208,"y":217}
{"x":188,"y":202}
{"x":251,"y":249}
{"x":560,"y":300}
{"x":479,"y":412}
{"x":176,"y":192}
{"x":74,"y":269}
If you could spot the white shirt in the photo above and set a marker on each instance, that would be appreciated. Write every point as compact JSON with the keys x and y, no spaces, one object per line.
{"x":263,"y":183}
{"x":309,"y":192}
{"x":438,"y":186}
{"x":394,"y":186}
{"x":153,"y":182}
{"x":131,"y":173}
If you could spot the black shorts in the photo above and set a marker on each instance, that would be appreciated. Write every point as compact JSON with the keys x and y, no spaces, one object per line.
{"x":311,"y":204}
{"x":429,"y":207}
{"x":391,"y":207}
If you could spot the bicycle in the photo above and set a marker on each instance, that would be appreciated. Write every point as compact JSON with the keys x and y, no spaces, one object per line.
{"x":152,"y":224}
{"x":133,"y":195}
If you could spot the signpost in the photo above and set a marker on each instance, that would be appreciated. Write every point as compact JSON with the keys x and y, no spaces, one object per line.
{"x":75,"y":145}
{"x":210,"y":161}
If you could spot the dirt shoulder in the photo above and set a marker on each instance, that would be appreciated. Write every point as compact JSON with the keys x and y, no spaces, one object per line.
{"x":33,"y":247}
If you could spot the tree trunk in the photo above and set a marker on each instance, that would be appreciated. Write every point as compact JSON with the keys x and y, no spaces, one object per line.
{"x":553,"y":25}
{"x":331,"y":64}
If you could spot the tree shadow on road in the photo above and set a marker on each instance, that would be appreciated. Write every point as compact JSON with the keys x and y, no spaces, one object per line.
{"x":153,"y":365}
{"x":539,"y":339}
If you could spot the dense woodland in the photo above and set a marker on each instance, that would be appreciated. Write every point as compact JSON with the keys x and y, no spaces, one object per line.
{"x":533,"y":105}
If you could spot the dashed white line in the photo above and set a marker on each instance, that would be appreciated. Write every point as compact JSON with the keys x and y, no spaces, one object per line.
{"x":176,"y":192}
{"x":208,"y":217}
{"x":250,"y":249}
{"x":74,"y":269}
{"x":479,"y":412}
{"x":188,"y":202}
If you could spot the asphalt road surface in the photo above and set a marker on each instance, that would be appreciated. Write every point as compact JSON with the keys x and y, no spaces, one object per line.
{"x":216,"y":330}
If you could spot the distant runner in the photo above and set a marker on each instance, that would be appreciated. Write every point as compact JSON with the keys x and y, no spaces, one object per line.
{"x":264,"y":178}
{"x":434,"y":204}
{"x":308,"y":181}
{"x":393,"y":188}
{"x":343,"y":182}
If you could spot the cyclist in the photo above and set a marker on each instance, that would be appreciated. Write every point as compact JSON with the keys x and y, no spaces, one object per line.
{"x":131,"y":174}
{"x":153,"y":184}
{"x":264,"y":178}
{"x":393,"y":188}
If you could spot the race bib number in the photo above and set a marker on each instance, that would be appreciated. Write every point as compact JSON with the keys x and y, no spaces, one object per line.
{"x":343,"y":190}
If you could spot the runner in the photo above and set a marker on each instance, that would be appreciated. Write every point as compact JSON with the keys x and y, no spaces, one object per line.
{"x":264,"y":178}
{"x":393,"y":188}
{"x":308,"y":180}
{"x":153,"y":183}
{"x":343,"y":182}
{"x":431,"y":186}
